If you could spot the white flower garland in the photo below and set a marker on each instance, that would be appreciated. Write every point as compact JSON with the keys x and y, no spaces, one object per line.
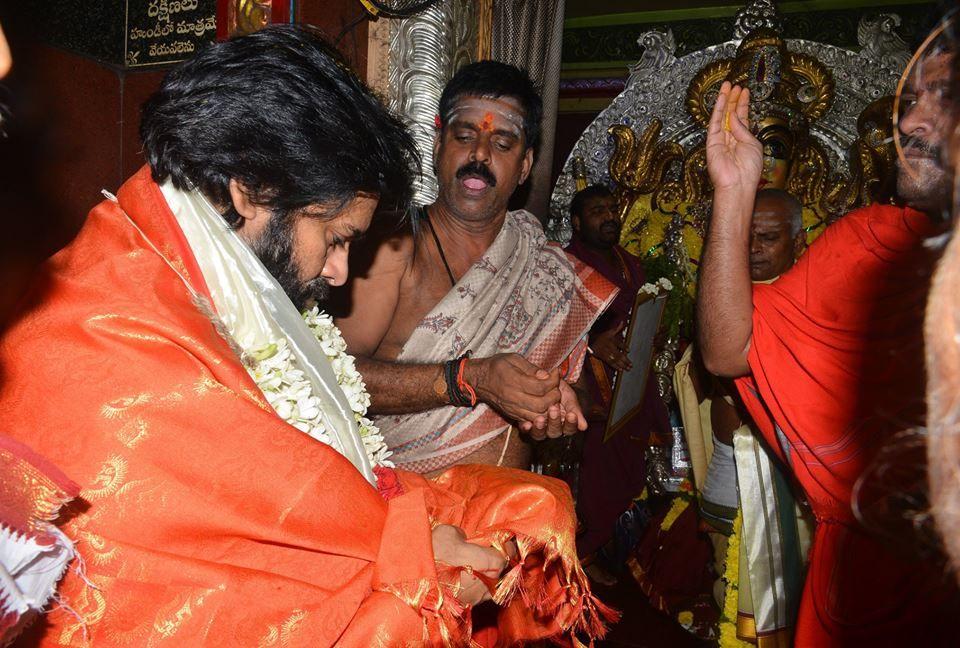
{"x":290,"y":393}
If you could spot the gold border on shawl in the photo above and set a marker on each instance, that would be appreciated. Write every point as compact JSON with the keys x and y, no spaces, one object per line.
{"x":28,"y":487}
{"x":747,"y":631}
{"x":640,"y":576}
{"x":746,"y":628}
{"x":782,"y":638}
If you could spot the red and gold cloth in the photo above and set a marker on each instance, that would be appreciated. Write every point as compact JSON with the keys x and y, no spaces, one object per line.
{"x":836,"y":366}
{"x":33,"y":555}
{"x":206,"y":519}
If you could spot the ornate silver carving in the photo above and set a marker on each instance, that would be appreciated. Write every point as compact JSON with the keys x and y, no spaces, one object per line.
{"x":663,"y":365}
{"x":658,"y":52}
{"x":668,"y":466}
{"x":879,"y":42}
{"x":663,"y":95}
{"x":425,"y":51}
{"x":757,"y":13}
{"x":658,"y":470}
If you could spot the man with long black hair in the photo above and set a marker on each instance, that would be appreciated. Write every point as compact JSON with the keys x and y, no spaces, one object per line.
{"x":233,"y":493}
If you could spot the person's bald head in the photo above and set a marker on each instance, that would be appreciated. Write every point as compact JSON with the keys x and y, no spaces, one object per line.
{"x":776,"y":234}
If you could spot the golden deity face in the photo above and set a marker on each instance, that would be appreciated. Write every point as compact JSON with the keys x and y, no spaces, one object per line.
{"x":777,"y":153}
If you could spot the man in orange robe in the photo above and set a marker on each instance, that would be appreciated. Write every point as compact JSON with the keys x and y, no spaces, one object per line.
{"x":829,"y":361}
{"x":206,"y":518}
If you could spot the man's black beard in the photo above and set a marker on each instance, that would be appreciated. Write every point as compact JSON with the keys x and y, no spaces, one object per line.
{"x":597,"y":237}
{"x":275,"y":250}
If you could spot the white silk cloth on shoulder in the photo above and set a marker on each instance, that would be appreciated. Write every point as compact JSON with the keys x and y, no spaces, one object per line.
{"x":257,"y":312}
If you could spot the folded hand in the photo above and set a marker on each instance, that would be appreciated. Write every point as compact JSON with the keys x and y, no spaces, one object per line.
{"x":450,"y":547}
{"x":564,"y":419}
{"x":509,"y":383}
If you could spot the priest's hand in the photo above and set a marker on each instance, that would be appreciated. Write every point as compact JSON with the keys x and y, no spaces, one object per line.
{"x":518,"y":389}
{"x":570,"y":410}
{"x":565,"y":419}
{"x":734,"y":155}
{"x":609,"y":348}
{"x":450,"y":547}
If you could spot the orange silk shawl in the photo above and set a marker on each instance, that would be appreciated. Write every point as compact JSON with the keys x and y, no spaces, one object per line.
{"x":836,"y":364}
{"x":205,"y":518}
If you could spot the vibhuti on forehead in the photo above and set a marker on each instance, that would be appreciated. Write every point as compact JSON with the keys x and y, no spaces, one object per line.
{"x":483,"y":114}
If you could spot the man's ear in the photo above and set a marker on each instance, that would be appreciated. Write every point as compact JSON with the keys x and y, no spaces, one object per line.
{"x":527,"y":165}
{"x":253,"y":217}
{"x":575,"y":222}
{"x":240,"y":197}
{"x":799,"y":242}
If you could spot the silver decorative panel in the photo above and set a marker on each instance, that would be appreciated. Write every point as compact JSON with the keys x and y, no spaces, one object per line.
{"x":658,"y":83}
{"x":425,"y":51}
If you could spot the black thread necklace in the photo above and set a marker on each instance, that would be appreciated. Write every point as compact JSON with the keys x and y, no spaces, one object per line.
{"x":436,"y":239}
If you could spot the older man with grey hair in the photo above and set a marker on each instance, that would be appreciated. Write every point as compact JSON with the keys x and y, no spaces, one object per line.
{"x":776,"y":234}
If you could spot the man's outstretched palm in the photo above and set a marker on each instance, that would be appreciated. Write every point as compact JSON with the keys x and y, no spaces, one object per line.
{"x":734,"y":155}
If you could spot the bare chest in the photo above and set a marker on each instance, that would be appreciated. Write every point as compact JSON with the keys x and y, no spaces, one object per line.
{"x":420,"y":290}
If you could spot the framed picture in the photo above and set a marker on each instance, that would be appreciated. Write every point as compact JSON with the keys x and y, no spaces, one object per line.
{"x":630,"y":386}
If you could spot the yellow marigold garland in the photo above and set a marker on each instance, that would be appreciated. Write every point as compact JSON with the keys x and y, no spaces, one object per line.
{"x":678,"y":506}
{"x":681,"y":501}
{"x":731,"y":575}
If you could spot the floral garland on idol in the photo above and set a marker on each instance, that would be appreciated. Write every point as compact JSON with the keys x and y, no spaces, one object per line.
{"x":290,"y":394}
{"x":686,"y":494}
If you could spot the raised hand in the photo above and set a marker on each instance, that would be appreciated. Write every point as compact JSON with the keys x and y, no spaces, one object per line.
{"x":734,"y":155}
